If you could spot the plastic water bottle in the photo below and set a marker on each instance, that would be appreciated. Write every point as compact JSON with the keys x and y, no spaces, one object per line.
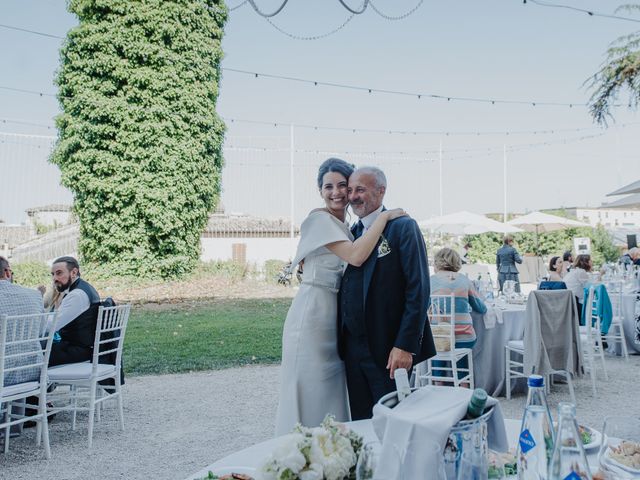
{"x":402,"y":383}
{"x":568,"y":460}
{"x":535,"y":444}
{"x":538,"y":396}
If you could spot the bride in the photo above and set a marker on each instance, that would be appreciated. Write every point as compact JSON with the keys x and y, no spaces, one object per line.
{"x":312,"y":378}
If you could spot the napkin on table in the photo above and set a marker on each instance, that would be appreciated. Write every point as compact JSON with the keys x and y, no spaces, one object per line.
{"x":428,"y":414}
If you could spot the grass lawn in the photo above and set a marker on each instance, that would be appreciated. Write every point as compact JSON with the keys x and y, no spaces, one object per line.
{"x":204,"y":336}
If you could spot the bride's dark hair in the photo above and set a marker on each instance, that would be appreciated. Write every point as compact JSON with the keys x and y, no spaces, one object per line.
{"x":334,"y":165}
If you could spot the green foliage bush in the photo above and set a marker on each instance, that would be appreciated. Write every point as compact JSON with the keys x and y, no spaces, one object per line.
{"x":140,"y":143}
{"x":484,"y":246}
{"x":272,"y":269}
{"x":226,"y":268}
{"x":31,"y":274}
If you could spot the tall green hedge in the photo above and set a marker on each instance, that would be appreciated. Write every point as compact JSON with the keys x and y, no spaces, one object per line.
{"x":140,"y":143}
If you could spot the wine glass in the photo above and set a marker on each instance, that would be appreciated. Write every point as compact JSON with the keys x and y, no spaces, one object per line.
{"x":509,"y":288}
{"x":621,"y":438}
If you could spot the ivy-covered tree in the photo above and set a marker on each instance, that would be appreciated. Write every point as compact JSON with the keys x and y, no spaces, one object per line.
{"x":621,"y":69}
{"x":140,"y":143}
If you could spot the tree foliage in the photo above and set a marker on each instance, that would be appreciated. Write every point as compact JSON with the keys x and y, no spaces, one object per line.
{"x":484,"y":246}
{"x":621,"y":69}
{"x":140,"y":143}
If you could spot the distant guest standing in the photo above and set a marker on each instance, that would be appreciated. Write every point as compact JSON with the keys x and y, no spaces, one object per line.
{"x":506,"y":259}
{"x":464,"y":253}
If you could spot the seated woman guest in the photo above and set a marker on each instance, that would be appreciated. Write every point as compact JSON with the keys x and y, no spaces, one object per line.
{"x":578,"y":278}
{"x":556,"y":273}
{"x":448,"y":280}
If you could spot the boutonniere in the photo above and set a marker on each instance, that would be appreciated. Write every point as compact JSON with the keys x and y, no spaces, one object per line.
{"x":383,"y":248}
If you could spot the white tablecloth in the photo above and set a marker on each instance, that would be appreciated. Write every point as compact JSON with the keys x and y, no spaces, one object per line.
{"x":488,"y":352}
{"x":254,"y":455}
{"x":629,"y":323}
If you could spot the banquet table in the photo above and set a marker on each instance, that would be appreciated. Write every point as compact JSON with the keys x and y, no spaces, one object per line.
{"x":628,"y":324}
{"x":253,"y":456}
{"x":488,"y":352}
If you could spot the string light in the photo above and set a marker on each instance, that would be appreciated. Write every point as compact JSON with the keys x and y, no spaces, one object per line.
{"x":311,"y":37}
{"x":441,"y":133}
{"x":417,"y":95}
{"x":582,"y":10}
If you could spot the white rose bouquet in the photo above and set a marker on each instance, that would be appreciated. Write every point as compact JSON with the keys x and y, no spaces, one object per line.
{"x":327,"y":452}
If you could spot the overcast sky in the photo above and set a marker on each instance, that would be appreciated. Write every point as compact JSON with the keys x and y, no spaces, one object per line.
{"x":485,"y":49}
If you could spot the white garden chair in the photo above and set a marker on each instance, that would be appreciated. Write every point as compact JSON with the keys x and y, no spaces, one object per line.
{"x":591,"y":339}
{"x":515,"y":349}
{"x":23,"y":355}
{"x":442,"y":314}
{"x":82,"y":378}
{"x":616,"y":329}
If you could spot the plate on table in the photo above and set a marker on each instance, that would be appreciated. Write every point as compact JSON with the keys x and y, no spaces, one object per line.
{"x":591,"y":438}
{"x":624,"y":456}
{"x":232,"y":473}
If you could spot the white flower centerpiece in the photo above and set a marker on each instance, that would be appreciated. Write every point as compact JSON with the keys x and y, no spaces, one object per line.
{"x":327,"y":452}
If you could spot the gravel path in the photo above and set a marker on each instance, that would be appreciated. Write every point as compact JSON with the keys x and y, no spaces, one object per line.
{"x":178,"y":424}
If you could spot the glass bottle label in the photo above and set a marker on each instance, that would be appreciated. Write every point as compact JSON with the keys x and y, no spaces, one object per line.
{"x":573,"y":476}
{"x":526,"y":441}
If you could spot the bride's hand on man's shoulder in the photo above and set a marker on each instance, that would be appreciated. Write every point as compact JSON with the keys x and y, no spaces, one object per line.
{"x":396,"y":213}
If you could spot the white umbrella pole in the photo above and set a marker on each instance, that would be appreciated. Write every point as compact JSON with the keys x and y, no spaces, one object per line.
{"x":504,"y":181}
{"x":440,"y":178}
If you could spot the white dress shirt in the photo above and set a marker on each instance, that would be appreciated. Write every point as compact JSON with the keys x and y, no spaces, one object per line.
{"x":73,"y":304}
{"x":576,"y":280}
{"x":369,"y":219}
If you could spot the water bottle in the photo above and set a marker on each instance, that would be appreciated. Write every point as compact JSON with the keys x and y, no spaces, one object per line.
{"x":402,"y":383}
{"x":489,"y":294}
{"x":538,"y":396}
{"x":535,"y":444}
{"x":568,"y":460}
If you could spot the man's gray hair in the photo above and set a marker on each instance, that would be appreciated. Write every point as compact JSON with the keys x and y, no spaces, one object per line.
{"x":381,"y":178}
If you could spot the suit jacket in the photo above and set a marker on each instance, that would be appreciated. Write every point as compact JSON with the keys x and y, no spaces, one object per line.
{"x":396,"y":295}
{"x":506,"y":259}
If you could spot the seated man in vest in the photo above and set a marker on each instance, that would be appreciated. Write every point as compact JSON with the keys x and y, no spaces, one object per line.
{"x":77,"y":315}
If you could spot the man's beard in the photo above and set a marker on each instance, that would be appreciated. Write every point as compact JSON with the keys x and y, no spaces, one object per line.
{"x":61,"y":288}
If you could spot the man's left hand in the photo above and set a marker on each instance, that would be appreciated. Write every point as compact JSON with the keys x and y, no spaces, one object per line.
{"x":399,"y":359}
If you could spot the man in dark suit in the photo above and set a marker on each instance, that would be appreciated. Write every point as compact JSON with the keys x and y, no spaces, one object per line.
{"x":506,"y":258}
{"x":382,"y":318}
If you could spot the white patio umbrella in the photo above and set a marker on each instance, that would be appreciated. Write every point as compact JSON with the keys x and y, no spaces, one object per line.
{"x":539,"y":222}
{"x":465,"y":223}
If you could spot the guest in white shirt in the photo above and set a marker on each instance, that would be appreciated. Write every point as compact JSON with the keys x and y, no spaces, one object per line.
{"x":77,"y":314}
{"x":578,"y":278}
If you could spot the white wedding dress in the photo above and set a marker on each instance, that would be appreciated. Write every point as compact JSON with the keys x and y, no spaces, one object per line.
{"x":312,"y":377}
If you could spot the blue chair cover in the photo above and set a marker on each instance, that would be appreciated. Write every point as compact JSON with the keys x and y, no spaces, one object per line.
{"x":602,"y":307}
{"x":549,"y":285}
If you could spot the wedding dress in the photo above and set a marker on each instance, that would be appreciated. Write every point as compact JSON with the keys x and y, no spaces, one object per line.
{"x":312,"y":377}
